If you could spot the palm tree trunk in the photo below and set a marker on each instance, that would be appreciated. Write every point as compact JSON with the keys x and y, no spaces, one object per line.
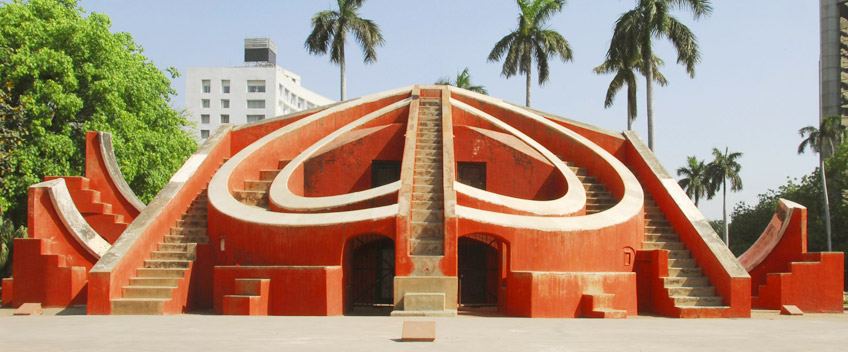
{"x":724,"y":211}
{"x":529,"y":79}
{"x":826,"y":202}
{"x":343,"y":81}
{"x":649,"y":92}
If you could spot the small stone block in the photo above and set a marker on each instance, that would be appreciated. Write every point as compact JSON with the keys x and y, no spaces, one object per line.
{"x":419,"y":331}
{"x":787,"y":309}
{"x":29,"y":309}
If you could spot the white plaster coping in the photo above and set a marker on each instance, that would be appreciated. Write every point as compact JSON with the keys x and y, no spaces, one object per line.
{"x":221,"y":198}
{"x":281,"y":195}
{"x":71,"y":218}
{"x":114,"y":172}
{"x":571,"y":202}
{"x":764,"y":245}
{"x":690,"y":211}
{"x":153,"y":211}
{"x":627,"y":208}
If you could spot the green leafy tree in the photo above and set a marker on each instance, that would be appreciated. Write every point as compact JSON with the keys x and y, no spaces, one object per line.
{"x":823,"y":140}
{"x":625,"y":74}
{"x":7,"y":236}
{"x":725,"y":167}
{"x":695,"y":181}
{"x":463,"y":80}
{"x":636,"y":29}
{"x":330,"y":30}
{"x":532,"y":41}
{"x":70,"y":75}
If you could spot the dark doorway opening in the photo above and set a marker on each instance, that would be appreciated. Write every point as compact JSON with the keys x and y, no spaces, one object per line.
{"x":472,"y":174}
{"x":479,"y":271}
{"x":384,"y":172}
{"x":371,"y":273}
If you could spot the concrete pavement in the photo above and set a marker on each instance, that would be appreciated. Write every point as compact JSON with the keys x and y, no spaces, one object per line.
{"x":61,"y":330}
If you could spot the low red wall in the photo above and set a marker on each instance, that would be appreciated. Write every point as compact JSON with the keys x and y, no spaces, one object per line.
{"x":294,"y":290}
{"x":559,"y":295}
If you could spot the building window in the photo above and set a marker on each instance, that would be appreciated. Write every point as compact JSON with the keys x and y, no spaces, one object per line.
{"x":204,"y":133}
{"x":255,"y":104}
{"x":225,"y":103}
{"x":281,"y":90}
{"x":225,"y":86}
{"x":256,"y":86}
{"x":204,"y":118}
{"x":225,"y":118}
{"x":300,"y":103}
{"x":254,"y":118}
{"x":207,"y":86}
{"x":204,"y":103}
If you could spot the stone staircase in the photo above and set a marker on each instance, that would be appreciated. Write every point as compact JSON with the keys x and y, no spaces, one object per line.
{"x":250,"y":297}
{"x":159,"y":286}
{"x":427,"y":292}
{"x":600,"y":305}
{"x":255,"y":192}
{"x":598,"y":198}
{"x":97,"y":214}
{"x":686,"y":284}
{"x":428,"y":222}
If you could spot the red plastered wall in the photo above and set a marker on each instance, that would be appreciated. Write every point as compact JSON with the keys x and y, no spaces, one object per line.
{"x":293,"y":290}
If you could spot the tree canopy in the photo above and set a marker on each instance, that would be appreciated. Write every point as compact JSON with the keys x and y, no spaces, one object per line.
{"x":68,"y":74}
{"x":463,"y":80}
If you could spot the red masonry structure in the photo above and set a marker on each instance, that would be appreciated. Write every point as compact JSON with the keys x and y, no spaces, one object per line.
{"x":422,"y":200}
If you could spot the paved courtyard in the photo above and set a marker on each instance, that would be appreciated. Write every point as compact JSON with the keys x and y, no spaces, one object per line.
{"x":66,"y":330}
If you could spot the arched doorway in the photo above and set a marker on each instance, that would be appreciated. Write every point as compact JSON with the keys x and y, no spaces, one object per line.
{"x":479,"y":264}
{"x":370,"y":272}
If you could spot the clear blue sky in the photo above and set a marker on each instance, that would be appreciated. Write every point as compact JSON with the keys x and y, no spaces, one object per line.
{"x":756,"y":86}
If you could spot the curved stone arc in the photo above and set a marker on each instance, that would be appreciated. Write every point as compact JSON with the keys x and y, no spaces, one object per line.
{"x":282,"y":197}
{"x":571,"y":203}
{"x":222,"y":200}
{"x":628,"y":207}
{"x":108,"y":153}
{"x":771,"y":236}
{"x":70,"y":216}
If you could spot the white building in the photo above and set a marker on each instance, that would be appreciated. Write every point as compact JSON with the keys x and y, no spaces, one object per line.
{"x":245,"y":94}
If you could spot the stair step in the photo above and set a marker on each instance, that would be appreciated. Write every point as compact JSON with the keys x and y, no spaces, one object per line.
{"x":664,"y":237}
{"x":662,"y":245}
{"x":684,"y":301}
{"x":428,"y":146}
{"x":171,"y":255}
{"x":138,"y":306}
{"x":148,"y":291}
{"x":703,"y":291}
{"x":268,"y":175}
{"x":189,"y":231}
{"x":186,"y":239}
{"x":257,"y":185}
{"x":428,"y":205}
{"x":428,"y":197}
{"x":679,"y":254}
{"x":685,"y":272}
{"x":419,"y":189}
{"x":167,"y":264}
{"x":251,"y":197}
{"x":428,"y":215}
{"x":192,"y":222}
{"x":155,"y":281}
{"x":427,"y":230}
{"x":160,"y":273}
{"x":173,"y":247}
{"x":428,"y":180}
{"x":427,"y":247}
{"x":682,"y":263}
{"x":697,"y":281}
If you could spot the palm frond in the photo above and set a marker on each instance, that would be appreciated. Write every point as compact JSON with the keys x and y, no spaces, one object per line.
{"x":686,"y":44}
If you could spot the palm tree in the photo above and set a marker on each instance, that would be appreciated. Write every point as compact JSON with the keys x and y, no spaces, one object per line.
{"x":329,"y":33}
{"x":635,"y":30}
{"x":725,"y":167}
{"x":463,"y":80}
{"x":624,"y":75}
{"x":823,"y":140}
{"x":695,"y":181}
{"x":531,"y":40}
